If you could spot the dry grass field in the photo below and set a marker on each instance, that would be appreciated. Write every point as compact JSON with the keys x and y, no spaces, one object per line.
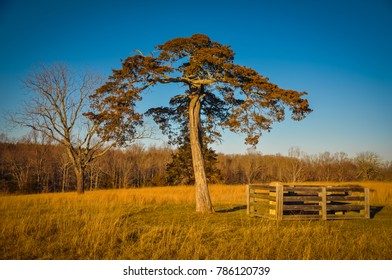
{"x":160,"y":223}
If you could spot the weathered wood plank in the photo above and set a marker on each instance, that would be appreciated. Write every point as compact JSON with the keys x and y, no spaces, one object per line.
{"x":345,"y":189}
{"x":323,"y":203}
{"x":303,"y":207}
{"x":345,"y":198}
{"x":345,"y":207}
{"x":279,"y":202}
{"x":302,"y":189}
{"x":261,"y":191}
{"x":302,"y":198}
{"x":263,"y":196}
{"x":303,"y":186}
{"x":262,"y":187}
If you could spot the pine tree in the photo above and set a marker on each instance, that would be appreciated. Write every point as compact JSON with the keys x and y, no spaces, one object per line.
{"x":180,"y":170}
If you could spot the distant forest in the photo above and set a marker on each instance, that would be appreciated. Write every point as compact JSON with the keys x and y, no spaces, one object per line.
{"x":31,"y":166}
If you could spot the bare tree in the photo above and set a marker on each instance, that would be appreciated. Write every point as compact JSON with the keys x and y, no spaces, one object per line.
{"x":295,"y":167}
{"x":56,"y":110}
{"x":21,"y":169}
{"x":254,"y":166}
{"x":368,"y":164}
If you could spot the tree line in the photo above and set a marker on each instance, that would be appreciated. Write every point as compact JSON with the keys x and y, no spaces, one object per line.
{"x":32,"y":165}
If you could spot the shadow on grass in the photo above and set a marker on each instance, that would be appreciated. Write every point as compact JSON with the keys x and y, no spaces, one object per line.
{"x":234,"y":209}
{"x":374,"y":210}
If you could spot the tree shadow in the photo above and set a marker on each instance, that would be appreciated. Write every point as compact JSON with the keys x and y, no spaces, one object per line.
{"x":374,"y":210}
{"x":234,"y":209}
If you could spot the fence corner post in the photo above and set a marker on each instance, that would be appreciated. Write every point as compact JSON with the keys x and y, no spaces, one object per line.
{"x":279,"y":200}
{"x":367,"y":203}
{"x":324,"y":203}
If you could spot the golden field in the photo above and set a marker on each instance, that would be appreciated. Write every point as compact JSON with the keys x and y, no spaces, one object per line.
{"x":161,"y":223}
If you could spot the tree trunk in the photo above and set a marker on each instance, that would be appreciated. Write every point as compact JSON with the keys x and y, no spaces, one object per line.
{"x":79,"y":173}
{"x":203,"y":200}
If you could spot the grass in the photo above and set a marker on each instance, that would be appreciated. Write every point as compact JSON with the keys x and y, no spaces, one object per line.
{"x":160,"y":223}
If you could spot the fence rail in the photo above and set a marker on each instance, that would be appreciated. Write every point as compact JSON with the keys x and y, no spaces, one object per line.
{"x":296,"y":202}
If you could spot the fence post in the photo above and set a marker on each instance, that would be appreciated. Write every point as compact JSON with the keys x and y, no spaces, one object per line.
{"x":367,"y":203}
{"x":279,"y":202}
{"x":247,"y":199}
{"x":324,"y":203}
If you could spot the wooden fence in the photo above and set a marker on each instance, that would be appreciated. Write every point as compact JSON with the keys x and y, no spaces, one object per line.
{"x":288,"y":202}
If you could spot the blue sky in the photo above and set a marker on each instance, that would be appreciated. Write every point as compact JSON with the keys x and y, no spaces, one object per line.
{"x":339,"y":51}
